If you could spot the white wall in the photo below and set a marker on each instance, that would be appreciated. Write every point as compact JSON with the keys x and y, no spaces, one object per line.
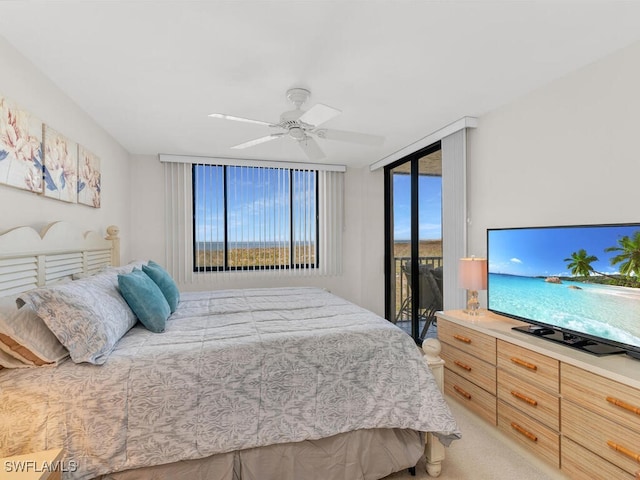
{"x":362,"y":281}
{"x":567,"y":153}
{"x":23,"y":84}
{"x":564,"y":154}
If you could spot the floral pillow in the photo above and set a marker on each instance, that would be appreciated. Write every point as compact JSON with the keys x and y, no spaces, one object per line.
{"x":88,"y":316}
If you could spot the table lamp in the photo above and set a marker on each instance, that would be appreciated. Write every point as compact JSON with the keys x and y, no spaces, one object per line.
{"x":473,"y":277}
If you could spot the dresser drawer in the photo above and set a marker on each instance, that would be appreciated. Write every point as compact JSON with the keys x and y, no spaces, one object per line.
{"x":539,"y":404}
{"x":536,"y":368}
{"x":613,"y":442}
{"x":471,"y":396}
{"x":606,"y":397}
{"x":579,"y":463}
{"x":472,"y":368}
{"x":478,"y":344}
{"x":532,"y":435}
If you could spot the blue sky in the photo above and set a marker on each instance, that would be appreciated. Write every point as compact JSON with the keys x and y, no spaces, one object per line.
{"x":257,"y":202}
{"x":541,"y":251}
{"x":429,"y":207}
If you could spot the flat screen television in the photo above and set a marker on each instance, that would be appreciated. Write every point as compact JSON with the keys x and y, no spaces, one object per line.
{"x":578,"y":285}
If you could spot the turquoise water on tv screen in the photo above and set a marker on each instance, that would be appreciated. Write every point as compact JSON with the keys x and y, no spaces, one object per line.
{"x":599,"y":310}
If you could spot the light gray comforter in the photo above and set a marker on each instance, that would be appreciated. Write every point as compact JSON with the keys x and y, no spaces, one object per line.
{"x":234,"y":369}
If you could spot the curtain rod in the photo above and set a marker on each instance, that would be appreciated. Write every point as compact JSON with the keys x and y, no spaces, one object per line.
{"x":169,"y":158}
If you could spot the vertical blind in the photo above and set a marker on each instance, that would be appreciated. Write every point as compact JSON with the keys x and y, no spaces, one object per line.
{"x":454,"y":215}
{"x":248,"y":220}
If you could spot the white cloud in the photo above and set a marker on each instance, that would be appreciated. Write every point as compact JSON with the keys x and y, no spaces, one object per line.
{"x":515,"y":260}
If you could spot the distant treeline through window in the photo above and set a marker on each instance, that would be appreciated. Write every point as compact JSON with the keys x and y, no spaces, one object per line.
{"x":254,"y":218}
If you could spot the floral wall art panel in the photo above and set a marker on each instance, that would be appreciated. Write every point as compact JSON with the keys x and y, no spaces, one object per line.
{"x":20,"y":148}
{"x":88,"y":178}
{"x":60,"y":166}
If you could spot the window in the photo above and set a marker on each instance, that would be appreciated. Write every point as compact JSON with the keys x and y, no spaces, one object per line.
{"x":254,"y":218}
{"x":317,"y":244}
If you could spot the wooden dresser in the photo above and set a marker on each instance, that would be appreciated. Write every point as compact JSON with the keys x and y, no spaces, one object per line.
{"x":575,"y":411}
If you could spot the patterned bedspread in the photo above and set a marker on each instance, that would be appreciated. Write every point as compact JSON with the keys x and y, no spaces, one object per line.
{"x":234,"y":369}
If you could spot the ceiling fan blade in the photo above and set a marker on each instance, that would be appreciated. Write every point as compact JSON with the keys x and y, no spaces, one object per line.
{"x":318,"y":114}
{"x":345,"y":136}
{"x":258,"y":141}
{"x":311,"y":149}
{"x":239,"y":119}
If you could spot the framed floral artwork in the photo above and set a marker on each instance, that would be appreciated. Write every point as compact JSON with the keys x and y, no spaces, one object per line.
{"x":88,"y":178}
{"x":20,"y":148}
{"x":60,"y":166}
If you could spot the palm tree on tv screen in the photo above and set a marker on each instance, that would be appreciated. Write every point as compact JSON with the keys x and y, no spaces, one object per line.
{"x":629,"y":256}
{"x":580,"y":263}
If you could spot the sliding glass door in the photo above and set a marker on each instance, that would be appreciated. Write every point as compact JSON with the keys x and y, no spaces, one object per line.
{"x":413,"y":222}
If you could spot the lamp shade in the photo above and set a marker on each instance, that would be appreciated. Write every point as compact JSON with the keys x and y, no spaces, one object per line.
{"x":473,"y":273}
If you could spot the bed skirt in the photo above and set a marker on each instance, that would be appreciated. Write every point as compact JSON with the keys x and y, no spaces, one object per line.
{"x":362,"y":454}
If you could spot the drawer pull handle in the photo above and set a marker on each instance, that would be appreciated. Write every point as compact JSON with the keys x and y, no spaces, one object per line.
{"x":524,"y":398}
{"x":462,"y":365}
{"x":462,"y":339}
{"x":623,"y":450}
{"x":524,"y":432}
{"x":524,"y":364}
{"x":462,"y":392}
{"x":625,"y":405}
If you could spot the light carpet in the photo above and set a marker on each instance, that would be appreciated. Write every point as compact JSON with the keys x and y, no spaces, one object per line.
{"x":483,"y":453}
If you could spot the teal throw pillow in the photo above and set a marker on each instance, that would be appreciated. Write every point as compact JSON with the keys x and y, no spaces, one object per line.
{"x":145,"y":299}
{"x":165,"y":282}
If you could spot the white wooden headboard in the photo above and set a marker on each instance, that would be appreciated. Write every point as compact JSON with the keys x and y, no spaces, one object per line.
{"x":29,"y":259}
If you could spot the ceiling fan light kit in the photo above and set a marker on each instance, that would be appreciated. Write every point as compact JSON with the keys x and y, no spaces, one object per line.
{"x":303,"y":125}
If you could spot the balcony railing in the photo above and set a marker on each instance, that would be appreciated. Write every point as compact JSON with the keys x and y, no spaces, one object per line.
{"x":402,"y":289}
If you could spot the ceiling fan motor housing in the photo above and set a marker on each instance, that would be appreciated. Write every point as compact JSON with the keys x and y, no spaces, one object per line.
{"x":295,"y":128}
{"x":290,"y":118}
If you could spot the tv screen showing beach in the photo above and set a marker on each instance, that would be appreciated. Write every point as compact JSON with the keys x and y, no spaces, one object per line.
{"x":582,"y":279}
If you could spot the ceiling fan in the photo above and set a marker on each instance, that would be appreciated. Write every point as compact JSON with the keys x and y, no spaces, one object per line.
{"x":303,"y":126}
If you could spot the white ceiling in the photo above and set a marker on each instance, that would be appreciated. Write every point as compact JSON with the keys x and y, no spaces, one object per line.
{"x":150,"y":71}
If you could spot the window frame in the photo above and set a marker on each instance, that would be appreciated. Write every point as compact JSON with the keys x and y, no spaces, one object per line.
{"x":225,"y":267}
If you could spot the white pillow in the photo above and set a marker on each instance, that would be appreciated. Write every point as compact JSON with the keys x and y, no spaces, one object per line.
{"x":26,"y":338}
{"x":7,"y":361}
{"x":128,"y":268}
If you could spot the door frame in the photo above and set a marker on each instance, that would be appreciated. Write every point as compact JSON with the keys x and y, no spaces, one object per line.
{"x":415,"y":235}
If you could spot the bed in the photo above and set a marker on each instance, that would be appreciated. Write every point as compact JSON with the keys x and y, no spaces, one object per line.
{"x":271,"y":383}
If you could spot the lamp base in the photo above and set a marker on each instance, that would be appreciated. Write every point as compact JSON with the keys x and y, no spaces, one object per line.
{"x":473,"y":304}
